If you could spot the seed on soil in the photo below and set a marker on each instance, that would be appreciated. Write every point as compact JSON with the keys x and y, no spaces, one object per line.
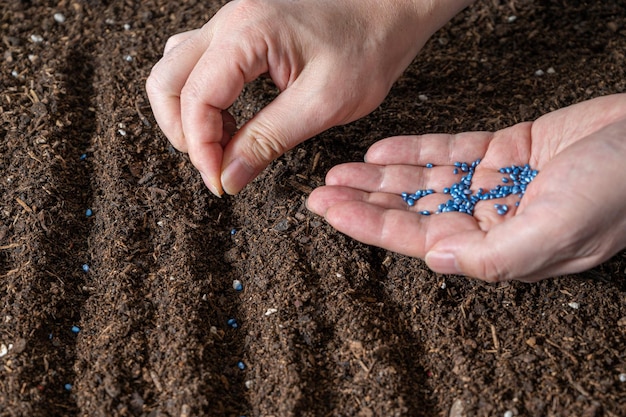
{"x":233,"y":231}
{"x":75,"y":329}
{"x":85,"y":267}
{"x":88,"y":213}
{"x":59,"y":17}
{"x":68,"y":387}
{"x":237,"y":285}
{"x":241,"y":365}
{"x":83,"y":157}
{"x":271,"y":311}
{"x":232,"y":323}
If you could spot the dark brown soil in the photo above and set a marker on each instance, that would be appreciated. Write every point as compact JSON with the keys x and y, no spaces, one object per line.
{"x":356,"y":330}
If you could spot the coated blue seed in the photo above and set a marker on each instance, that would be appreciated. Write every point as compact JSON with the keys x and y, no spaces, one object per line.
{"x":68,"y":387}
{"x":237,"y":285}
{"x":75,"y":329}
{"x":425,"y":212}
{"x":85,"y":267}
{"x":233,"y":231}
{"x":88,"y":213}
{"x":233,"y":323}
{"x":429,"y":165}
{"x":505,"y":180}
{"x":241,"y":365}
{"x":83,"y":157}
{"x":410,"y":202}
{"x":457,"y":164}
{"x":455,"y":171}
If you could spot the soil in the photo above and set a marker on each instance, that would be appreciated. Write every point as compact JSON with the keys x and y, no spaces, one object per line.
{"x":327,"y":326}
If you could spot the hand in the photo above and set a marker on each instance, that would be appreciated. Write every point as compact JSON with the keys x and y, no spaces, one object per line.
{"x":334,"y":62}
{"x":572,"y":217}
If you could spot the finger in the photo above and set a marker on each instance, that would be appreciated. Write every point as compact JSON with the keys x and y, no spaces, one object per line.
{"x":511,"y":145}
{"x":322,"y":198}
{"x":397,"y":230}
{"x":437,"y":149}
{"x":166,"y":81}
{"x":394,"y":179}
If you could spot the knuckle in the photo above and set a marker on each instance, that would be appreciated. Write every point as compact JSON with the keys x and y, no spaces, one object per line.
{"x":492,"y":268}
{"x":266,"y":146}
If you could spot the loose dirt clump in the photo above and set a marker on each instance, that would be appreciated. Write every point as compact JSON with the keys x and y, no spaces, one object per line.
{"x":326,"y":326}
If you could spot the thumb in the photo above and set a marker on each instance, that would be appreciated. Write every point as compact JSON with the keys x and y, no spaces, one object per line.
{"x":526,"y":247}
{"x":294,"y":116}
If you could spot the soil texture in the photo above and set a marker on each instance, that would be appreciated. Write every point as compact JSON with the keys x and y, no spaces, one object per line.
{"x":326,"y":326}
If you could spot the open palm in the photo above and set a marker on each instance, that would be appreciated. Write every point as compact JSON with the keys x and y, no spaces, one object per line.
{"x":571,"y":218}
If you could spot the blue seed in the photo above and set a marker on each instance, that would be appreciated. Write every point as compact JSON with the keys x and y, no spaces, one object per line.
{"x":83,"y":157}
{"x":429,"y":165}
{"x":425,"y":212}
{"x":241,"y":365}
{"x":68,"y":387}
{"x":410,"y":202}
{"x":455,"y":171}
{"x":237,"y":285}
{"x":233,"y":231}
{"x":75,"y":329}
{"x":85,"y":267}
{"x":505,"y":180}
{"x":446,"y":190}
{"x":233,"y":323}
{"x":88,"y":213}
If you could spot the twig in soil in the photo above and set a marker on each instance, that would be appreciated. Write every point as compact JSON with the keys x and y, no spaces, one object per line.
{"x":23,"y":204}
{"x":143,"y":118}
{"x":10,"y":246}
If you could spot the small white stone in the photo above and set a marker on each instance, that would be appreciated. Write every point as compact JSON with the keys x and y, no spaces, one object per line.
{"x":622,"y":377}
{"x":270,"y":311}
{"x":36,"y":38}
{"x":109,"y":21}
{"x":539,"y":72}
{"x":59,"y":17}
{"x":126,"y":26}
{"x":128,"y":58}
{"x":160,"y":223}
{"x":249,"y":384}
{"x":121,"y":132}
{"x":511,"y":18}
{"x":508,"y":413}
{"x":443,"y":285}
{"x":3,"y":350}
{"x":422,"y":97}
{"x":15,"y":73}
{"x":551,"y":70}
{"x":574,"y":305}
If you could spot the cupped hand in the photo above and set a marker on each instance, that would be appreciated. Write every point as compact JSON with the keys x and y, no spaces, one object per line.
{"x":571,"y":218}
{"x":333,"y":62}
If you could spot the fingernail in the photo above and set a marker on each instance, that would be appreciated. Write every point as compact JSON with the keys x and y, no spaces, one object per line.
{"x":442,"y":262}
{"x":212,"y":188}
{"x":236,"y":176}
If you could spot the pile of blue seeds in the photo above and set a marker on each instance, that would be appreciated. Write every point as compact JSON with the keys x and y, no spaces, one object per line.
{"x":463,"y":199}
